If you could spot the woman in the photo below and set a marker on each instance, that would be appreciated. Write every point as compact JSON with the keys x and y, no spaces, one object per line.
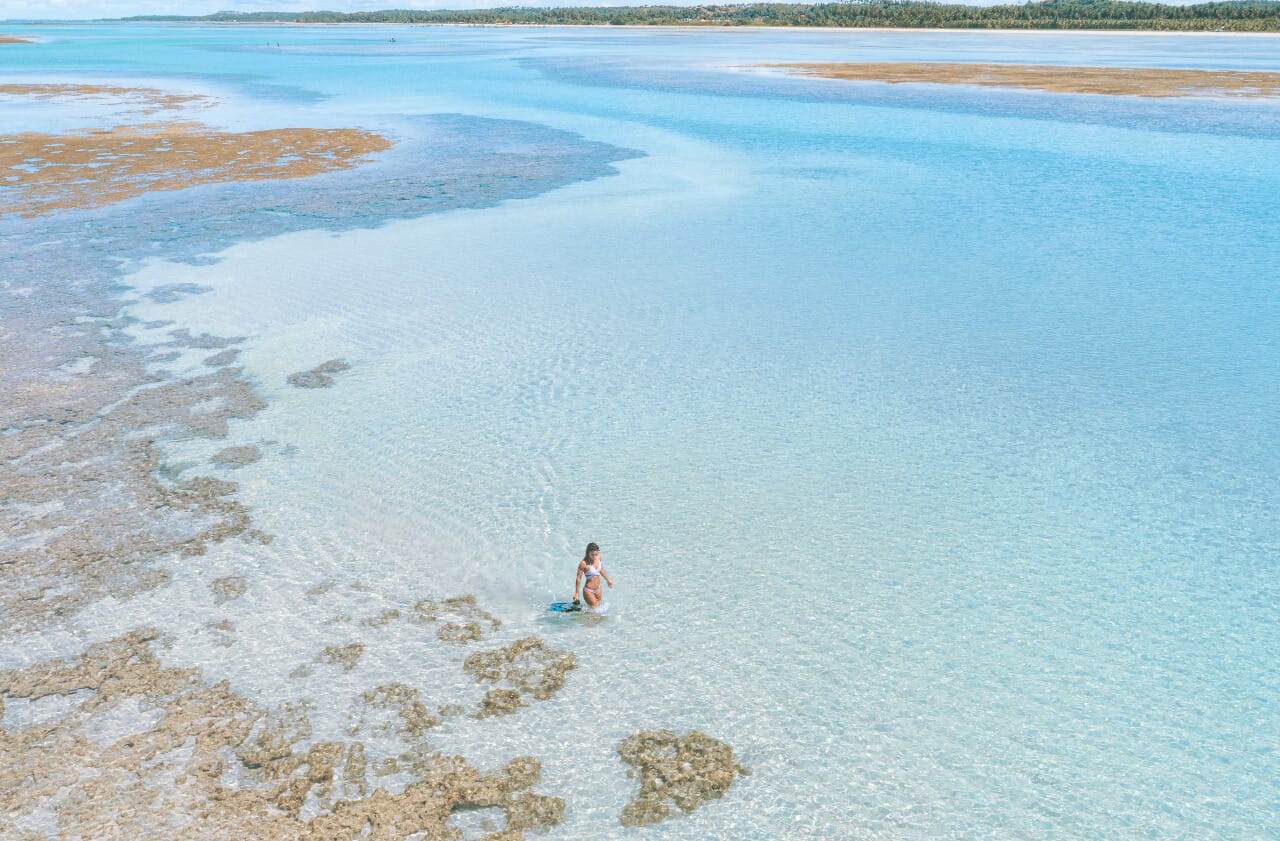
{"x":592,"y":570}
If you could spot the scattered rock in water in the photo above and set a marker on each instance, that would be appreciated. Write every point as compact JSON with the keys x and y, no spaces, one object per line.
{"x":384,"y":618}
{"x":222,"y":632}
{"x":226,"y":357}
{"x":228,"y":587}
{"x":204,"y":341}
{"x":414,"y":718}
{"x":321,"y":588}
{"x":686,"y":771}
{"x":208,"y":488}
{"x":465,"y":621}
{"x":170,"y":292}
{"x":319,"y":376}
{"x":347,"y":655}
{"x":236,"y":456}
{"x":526,"y":666}
{"x":499,"y":702}
{"x":460,"y":632}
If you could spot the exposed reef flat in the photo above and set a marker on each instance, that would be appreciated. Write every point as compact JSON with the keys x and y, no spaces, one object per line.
{"x":56,"y":171}
{"x":1112,"y":81}
{"x":127,"y":103}
{"x":106,"y":164}
{"x":176,"y":757}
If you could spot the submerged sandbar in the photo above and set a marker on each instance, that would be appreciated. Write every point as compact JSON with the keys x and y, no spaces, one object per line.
{"x":15,"y":39}
{"x":1112,"y":81}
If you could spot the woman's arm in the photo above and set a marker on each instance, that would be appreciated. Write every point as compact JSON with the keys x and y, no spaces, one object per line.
{"x":577,"y":581}
{"x":605,"y":576}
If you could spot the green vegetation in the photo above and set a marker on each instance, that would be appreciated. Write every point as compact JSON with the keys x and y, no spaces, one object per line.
{"x":1240,"y":16}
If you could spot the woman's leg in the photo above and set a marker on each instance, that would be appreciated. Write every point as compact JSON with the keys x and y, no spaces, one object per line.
{"x":592,"y":595}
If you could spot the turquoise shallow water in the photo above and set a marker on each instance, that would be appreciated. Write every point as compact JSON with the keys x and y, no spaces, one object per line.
{"x":930,"y":434}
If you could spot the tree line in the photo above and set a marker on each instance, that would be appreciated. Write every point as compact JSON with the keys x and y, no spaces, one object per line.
{"x":1238,"y":16}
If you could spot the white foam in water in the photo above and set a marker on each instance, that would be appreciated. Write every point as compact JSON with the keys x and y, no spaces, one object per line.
{"x":932,"y":469}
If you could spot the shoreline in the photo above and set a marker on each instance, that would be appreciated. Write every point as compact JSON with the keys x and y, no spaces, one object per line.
{"x":675,"y":27}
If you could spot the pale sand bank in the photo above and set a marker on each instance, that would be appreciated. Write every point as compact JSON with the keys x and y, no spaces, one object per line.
{"x":15,"y":39}
{"x":1112,"y":81}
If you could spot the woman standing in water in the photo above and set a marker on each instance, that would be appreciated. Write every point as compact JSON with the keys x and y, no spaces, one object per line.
{"x":592,"y":570}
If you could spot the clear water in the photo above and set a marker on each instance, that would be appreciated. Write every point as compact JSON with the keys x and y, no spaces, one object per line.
{"x":930,"y":435}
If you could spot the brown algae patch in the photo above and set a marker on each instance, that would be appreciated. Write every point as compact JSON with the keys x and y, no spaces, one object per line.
{"x":1111,"y":81}
{"x":527,"y":666}
{"x":684,"y":771}
{"x":150,"y":752}
{"x":319,"y":376}
{"x":47,"y":172}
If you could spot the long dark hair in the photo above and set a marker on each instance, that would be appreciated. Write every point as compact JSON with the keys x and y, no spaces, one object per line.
{"x":586,"y":556}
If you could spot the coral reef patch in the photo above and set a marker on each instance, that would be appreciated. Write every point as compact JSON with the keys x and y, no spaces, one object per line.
{"x":684,"y":771}
{"x":527,"y":666}
{"x":346,"y":655}
{"x":319,"y":376}
{"x":414,"y":718}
